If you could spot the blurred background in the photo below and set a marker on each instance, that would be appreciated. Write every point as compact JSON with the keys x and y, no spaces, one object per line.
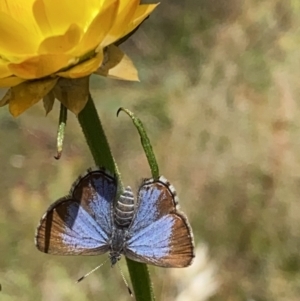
{"x":219,"y":98}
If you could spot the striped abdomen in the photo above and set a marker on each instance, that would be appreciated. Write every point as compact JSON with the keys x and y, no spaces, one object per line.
{"x":124,"y":209}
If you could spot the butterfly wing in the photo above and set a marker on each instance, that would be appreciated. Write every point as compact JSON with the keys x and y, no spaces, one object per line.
{"x":159,"y":233}
{"x":81,"y":223}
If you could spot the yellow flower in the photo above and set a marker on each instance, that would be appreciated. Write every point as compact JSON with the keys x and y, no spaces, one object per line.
{"x":48,"y":47}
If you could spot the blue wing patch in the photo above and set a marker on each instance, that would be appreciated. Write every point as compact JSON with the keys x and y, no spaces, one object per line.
{"x":96,"y":191}
{"x":80,"y":224}
{"x":159,"y":233}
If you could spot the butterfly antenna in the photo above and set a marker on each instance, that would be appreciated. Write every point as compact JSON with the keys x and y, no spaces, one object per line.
{"x":126,"y":283}
{"x":92,"y":271}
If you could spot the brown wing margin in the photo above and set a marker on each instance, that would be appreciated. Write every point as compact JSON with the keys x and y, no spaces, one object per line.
{"x":52,"y":227}
{"x":162,"y":235}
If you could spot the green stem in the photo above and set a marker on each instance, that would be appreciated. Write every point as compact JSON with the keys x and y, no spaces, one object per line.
{"x":96,"y":138}
{"x":61,"y":130}
{"x":99,"y":147}
{"x":140,"y":278}
{"x":145,"y":141}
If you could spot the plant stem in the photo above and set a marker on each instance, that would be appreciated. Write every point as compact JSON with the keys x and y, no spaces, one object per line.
{"x":99,"y":147}
{"x":145,"y":141}
{"x":61,"y":130}
{"x":95,"y":137}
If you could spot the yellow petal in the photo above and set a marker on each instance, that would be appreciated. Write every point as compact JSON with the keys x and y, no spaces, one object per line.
{"x":142,"y":12}
{"x":20,"y":10}
{"x":125,"y":14}
{"x":40,"y":15}
{"x":39,"y":38}
{"x":117,"y":65}
{"x":55,"y":16}
{"x":15,"y":38}
{"x":73,"y":93}
{"x":40,"y":66}
{"x":10,"y":81}
{"x":84,"y":69}
{"x":4,"y":71}
{"x":98,"y":29}
{"x":28,"y":93}
{"x":61,"y":43}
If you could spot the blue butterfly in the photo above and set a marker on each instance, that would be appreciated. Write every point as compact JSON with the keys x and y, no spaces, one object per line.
{"x":91,"y":221}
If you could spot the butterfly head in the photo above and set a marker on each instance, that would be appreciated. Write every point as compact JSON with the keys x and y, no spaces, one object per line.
{"x":114,"y":258}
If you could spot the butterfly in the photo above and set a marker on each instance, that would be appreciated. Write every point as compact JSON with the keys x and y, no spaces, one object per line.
{"x":92,"y":220}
